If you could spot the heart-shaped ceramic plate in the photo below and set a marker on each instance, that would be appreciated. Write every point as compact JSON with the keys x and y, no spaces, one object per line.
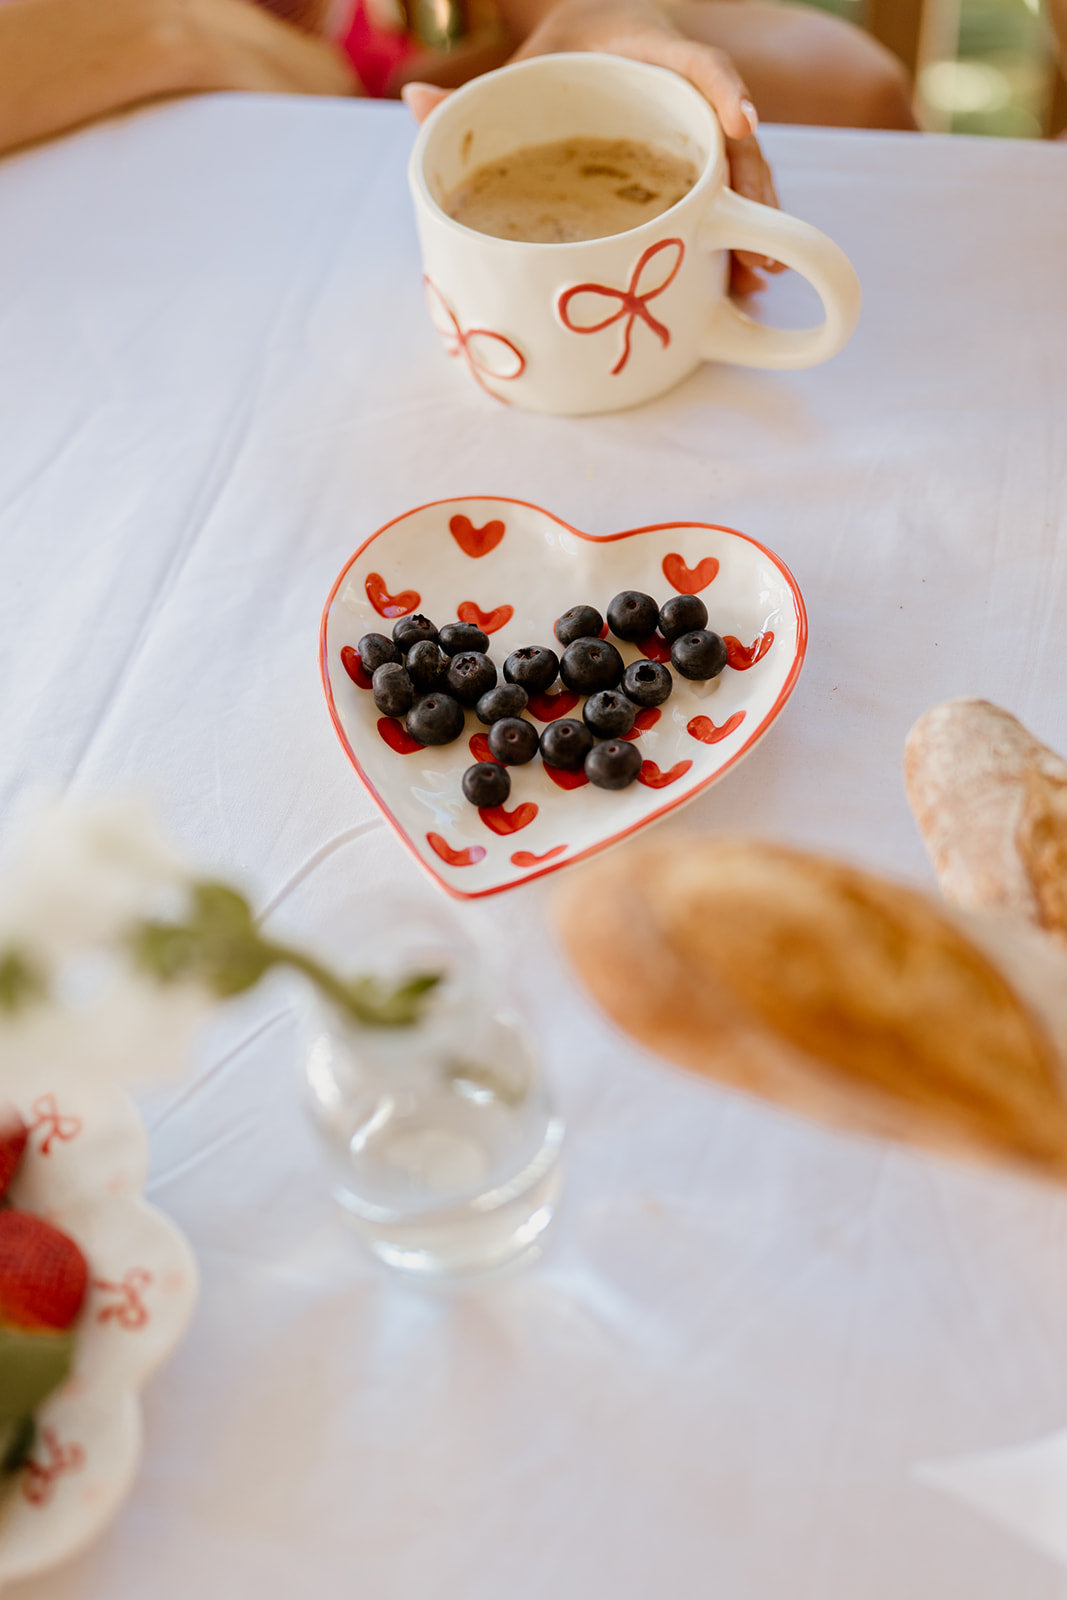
{"x":513,"y":568}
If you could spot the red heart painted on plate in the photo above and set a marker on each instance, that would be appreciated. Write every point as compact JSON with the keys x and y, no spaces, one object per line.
{"x":563,"y":779}
{"x":488,"y":621}
{"x":469,"y":856}
{"x":478,"y":745}
{"x":742,"y":656}
{"x":504,"y":822}
{"x":704,"y":729}
{"x":655,"y":647}
{"x":526,"y":858}
{"x":354,"y":667}
{"x":539,"y":568}
{"x":397,"y":737}
{"x":386,"y":604}
{"x":653,"y":778}
{"x":473,"y":541}
{"x":547,"y":707}
{"x":690,"y":580}
{"x":646,"y":718}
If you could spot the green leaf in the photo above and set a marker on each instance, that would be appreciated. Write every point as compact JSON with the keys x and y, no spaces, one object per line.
{"x":20,"y":981}
{"x":222,"y":912}
{"x":164,"y":952}
{"x":221,"y":947}
{"x":401,"y":1007}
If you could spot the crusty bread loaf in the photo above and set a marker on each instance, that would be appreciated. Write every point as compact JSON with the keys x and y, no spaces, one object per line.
{"x":821,"y":987}
{"x":991,"y":804}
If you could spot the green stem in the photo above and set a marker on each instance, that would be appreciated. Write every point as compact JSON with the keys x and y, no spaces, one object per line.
{"x":391,"y":1009}
{"x":323,"y":979}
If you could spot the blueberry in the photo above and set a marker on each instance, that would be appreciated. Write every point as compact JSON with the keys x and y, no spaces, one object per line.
{"x":682,"y":614}
{"x":435,"y":719}
{"x":506,"y":700}
{"x":613,"y":765}
{"x":410,"y":630}
{"x":698,"y":654}
{"x":375,"y":650}
{"x":487,"y":783}
{"x":457,"y":636}
{"x":647,"y":683}
{"x":566,"y":743}
{"x":513,"y":741}
{"x":580,"y":622}
{"x":427,"y":665}
{"x":609,"y":714}
{"x":470,"y":675}
{"x":533,"y":667}
{"x":632,"y":615}
{"x":590,"y":664}
{"x":394,"y":692}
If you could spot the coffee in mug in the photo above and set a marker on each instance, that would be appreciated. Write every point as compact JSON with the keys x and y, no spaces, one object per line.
{"x":571,"y":189}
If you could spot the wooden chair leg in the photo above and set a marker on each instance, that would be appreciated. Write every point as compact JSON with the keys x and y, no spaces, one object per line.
{"x":898,"y":24}
{"x":1056,"y":121}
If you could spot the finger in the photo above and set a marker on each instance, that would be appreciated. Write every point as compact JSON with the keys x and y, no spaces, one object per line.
{"x":751,"y":177}
{"x":422,"y":98}
{"x":749,"y":173}
{"x":715,"y":75}
{"x":743,"y":280}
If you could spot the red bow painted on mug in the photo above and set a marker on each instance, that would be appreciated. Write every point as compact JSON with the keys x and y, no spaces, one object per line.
{"x":459,"y":342}
{"x":632,"y":304}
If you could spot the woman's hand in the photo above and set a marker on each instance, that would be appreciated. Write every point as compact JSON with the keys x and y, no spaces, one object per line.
{"x":642,"y":31}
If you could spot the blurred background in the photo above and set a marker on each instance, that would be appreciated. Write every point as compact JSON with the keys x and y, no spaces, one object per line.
{"x":981,"y":66}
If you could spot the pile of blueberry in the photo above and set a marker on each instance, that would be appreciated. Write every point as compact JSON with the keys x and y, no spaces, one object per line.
{"x":428,"y":677}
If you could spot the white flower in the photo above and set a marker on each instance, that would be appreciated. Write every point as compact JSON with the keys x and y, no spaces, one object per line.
{"x":83,"y":874}
{"x":128,"y":1030}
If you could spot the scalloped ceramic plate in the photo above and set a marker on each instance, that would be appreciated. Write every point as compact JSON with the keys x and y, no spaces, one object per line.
{"x":84,"y":1169}
{"x":513,"y":568}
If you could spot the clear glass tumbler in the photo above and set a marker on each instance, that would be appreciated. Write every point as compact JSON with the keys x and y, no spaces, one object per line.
{"x":441,"y":1140}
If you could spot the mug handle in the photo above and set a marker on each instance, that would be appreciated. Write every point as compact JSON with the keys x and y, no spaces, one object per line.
{"x":734,"y":223}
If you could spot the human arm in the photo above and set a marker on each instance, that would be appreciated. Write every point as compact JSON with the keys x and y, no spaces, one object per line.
{"x":66,"y":62}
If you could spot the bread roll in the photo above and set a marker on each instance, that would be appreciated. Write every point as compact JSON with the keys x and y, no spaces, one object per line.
{"x":991,"y":804}
{"x":821,"y":987}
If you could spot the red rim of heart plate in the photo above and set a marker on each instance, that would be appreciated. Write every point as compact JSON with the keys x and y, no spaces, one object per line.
{"x":460,"y":561}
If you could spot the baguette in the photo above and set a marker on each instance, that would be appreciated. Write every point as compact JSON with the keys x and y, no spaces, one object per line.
{"x":991,"y":805}
{"x":824,"y":988}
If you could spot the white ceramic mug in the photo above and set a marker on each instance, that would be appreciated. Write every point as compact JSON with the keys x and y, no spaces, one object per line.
{"x":606,"y":323}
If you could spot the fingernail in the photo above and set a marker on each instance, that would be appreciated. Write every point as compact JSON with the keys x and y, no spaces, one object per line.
{"x":420,"y":98}
{"x":750,"y":114}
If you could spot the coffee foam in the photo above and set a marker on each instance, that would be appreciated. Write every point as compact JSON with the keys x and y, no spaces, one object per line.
{"x":571,"y":189}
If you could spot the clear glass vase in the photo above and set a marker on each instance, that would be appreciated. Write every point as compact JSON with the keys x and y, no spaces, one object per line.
{"x":440,"y":1138}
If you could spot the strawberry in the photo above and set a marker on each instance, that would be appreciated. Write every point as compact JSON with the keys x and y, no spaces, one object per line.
{"x":13,"y":1136}
{"x":43,"y":1274}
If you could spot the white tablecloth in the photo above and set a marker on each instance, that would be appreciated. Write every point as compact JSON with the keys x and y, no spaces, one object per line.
{"x":216,"y":378}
